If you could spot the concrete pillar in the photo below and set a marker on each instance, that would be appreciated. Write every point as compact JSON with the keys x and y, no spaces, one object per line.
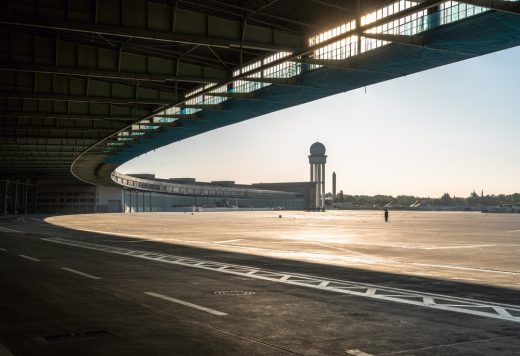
{"x":25,"y":198}
{"x":5,"y":196}
{"x":15,"y":209}
{"x":358,"y":25}
{"x":124,"y":200}
{"x":36,"y":199}
{"x":323,"y":187}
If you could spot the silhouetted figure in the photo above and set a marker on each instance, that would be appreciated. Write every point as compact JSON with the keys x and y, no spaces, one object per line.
{"x":386,"y":215}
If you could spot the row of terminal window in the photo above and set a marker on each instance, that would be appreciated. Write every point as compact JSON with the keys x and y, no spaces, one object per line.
{"x":68,"y":194}
{"x":70,"y":200}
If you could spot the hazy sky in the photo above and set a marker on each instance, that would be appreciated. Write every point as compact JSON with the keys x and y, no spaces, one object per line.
{"x":451,"y":129}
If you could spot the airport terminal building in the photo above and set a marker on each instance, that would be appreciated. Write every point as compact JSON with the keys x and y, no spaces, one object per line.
{"x":146,"y":193}
{"x":141,"y":193}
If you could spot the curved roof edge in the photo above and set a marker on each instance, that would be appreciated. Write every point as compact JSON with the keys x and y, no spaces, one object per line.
{"x":303,"y":79}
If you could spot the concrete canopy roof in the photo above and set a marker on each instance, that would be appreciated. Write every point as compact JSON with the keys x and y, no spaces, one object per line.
{"x":74,"y":73}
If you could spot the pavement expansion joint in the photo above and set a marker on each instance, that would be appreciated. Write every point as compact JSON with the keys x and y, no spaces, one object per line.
{"x":234,"y":292}
{"x":76,"y":335}
{"x":383,"y":293}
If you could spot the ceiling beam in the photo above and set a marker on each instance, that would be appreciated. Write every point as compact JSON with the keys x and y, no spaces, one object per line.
{"x":15,"y":151}
{"x":335,"y":6}
{"x":23,"y":142}
{"x":150,"y":35}
{"x":64,"y":161}
{"x":95,"y":136}
{"x":254,"y":13}
{"x":38,"y":154}
{"x":35,"y":163}
{"x":40,"y":169}
{"x":80,"y":98}
{"x":105,"y":74}
{"x":72,"y":116}
{"x":57,"y":128}
{"x":27,"y":147}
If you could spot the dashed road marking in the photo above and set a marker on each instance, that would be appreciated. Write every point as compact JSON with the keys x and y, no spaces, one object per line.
{"x":463,"y":268}
{"x":3,"y":249}
{"x":178,"y":301}
{"x":455,"y":247}
{"x":228,"y":241}
{"x":30,"y":258}
{"x":357,"y":352}
{"x":383,"y":293}
{"x":80,"y":273}
{"x":5,"y":229}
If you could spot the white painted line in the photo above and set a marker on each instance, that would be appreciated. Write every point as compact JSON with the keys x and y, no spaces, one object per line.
{"x":371,"y":291}
{"x":128,"y":235}
{"x":3,"y":249}
{"x":502,"y":311}
{"x":463,"y":268}
{"x":382,"y":293}
{"x":357,"y":352}
{"x":228,"y":241}
{"x":5,"y":229}
{"x":30,"y":258}
{"x":455,"y":247}
{"x":428,"y":300}
{"x":195,"y":306}
{"x":80,"y":273}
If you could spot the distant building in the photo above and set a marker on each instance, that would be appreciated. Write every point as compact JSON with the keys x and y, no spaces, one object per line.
{"x":333,"y":185}
{"x":146,"y":195}
{"x":317,"y":160}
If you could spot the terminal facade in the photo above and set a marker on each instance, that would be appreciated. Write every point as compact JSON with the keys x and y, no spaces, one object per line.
{"x":146,"y":193}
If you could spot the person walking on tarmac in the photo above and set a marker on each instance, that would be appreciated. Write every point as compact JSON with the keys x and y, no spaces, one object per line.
{"x":386,"y":215}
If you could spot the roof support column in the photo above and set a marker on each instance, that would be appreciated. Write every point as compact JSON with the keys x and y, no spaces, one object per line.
{"x":5,"y":196}
{"x":358,"y":25}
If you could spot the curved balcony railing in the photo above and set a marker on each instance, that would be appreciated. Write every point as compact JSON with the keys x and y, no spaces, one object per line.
{"x":197,"y":189}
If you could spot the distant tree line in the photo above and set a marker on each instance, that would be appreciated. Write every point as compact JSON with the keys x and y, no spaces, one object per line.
{"x":444,"y":200}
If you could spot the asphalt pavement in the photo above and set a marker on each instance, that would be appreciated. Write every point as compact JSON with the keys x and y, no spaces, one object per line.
{"x":67,"y":292}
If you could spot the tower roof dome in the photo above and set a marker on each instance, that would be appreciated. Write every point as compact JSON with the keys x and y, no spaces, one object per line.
{"x":317,"y":149}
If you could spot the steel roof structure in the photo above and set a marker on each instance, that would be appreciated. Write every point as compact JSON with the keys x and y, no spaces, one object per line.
{"x":88,"y":85}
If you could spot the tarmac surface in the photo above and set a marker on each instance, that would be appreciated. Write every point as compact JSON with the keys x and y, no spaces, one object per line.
{"x":235,"y":283}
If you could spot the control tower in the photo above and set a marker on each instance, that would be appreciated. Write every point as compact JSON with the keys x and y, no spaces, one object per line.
{"x":317,"y":160}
